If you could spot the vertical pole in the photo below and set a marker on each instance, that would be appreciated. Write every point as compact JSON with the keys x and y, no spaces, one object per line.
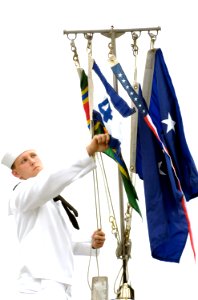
{"x":120,"y":186}
{"x":125,"y":291}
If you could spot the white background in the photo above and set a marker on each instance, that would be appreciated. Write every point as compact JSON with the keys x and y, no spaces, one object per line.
{"x":40,"y":102}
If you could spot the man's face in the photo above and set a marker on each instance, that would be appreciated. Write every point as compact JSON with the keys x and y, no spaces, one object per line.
{"x":27,"y":164}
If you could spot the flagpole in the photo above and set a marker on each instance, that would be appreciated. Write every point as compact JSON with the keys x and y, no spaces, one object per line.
{"x":124,"y":291}
{"x":123,"y":251}
{"x":112,"y":47}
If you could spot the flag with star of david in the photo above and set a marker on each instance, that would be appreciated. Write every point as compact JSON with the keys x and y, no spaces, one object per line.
{"x":167,"y":218}
{"x":103,"y":115}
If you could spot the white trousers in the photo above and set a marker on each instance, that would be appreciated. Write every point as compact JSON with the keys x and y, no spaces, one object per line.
{"x":47,"y":290}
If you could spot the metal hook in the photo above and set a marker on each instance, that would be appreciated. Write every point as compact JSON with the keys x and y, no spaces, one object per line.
{"x":135,"y":36}
{"x":153,"y":38}
{"x":110,"y":46}
{"x":111,"y":54}
{"x":71,"y":39}
{"x":89,"y":37}
{"x":114,"y":227}
{"x":74,"y":50}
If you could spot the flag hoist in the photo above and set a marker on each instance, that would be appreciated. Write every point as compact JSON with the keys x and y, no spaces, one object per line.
{"x":96,"y":124}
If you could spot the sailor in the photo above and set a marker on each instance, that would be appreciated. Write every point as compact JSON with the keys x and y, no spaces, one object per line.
{"x":44,"y":229}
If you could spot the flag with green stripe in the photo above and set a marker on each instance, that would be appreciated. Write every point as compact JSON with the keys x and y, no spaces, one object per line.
{"x":114,"y":150}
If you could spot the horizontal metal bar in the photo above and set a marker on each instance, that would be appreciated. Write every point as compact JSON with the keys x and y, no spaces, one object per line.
{"x":111,"y":30}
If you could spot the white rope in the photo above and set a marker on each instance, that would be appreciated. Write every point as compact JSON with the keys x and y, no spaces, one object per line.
{"x":95,"y":175}
{"x":97,"y":199}
{"x":89,"y":265}
{"x":112,"y":217}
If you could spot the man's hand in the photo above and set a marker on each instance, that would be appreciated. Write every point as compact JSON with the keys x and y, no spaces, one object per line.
{"x":99,"y":143}
{"x":98,"y":239}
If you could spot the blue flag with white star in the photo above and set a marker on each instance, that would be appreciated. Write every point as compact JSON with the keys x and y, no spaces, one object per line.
{"x":167,"y":217}
{"x":165,"y":113}
{"x":167,"y":223}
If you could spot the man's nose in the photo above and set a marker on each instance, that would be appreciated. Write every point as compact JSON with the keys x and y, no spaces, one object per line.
{"x":32,"y":161}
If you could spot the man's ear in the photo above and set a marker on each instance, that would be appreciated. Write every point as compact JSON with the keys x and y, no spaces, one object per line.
{"x":15,"y":173}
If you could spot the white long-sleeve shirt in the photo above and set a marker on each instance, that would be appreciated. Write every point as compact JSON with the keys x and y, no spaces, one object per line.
{"x":43,"y":227}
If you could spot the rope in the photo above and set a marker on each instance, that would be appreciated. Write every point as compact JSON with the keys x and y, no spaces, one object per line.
{"x":112,"y":217}
{"x":89,"y":265}
{"x":95,"y":174}
{"x":97,"y":199}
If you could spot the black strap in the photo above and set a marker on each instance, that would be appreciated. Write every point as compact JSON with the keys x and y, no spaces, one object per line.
{"x":70,"y":210}
{"x":16,"y":186}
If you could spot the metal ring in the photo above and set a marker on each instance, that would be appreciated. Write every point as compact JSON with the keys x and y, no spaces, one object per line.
{"x":75,"y":35}
{"x":135,"y":35}
{"x":88,"y":35}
